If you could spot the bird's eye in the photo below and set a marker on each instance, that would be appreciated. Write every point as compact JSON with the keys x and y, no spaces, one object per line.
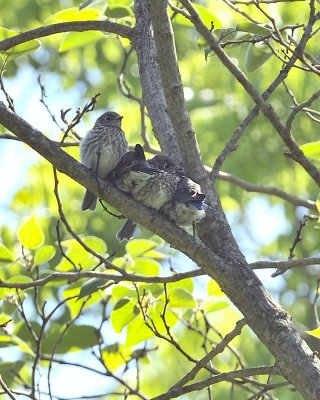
{"x":166,"y":166}
{"x":106,"y":118}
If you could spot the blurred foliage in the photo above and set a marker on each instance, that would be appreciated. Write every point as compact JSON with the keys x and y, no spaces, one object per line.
{"x":84,"y":64}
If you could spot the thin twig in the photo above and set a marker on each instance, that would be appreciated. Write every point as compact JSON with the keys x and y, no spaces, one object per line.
{"x":77,"y":118}
{"x":8,"y":97}
{"x":314,"y":304}
{"x":64,"y":220}
{"x":6,"y":389}
{"x":209,"y":356}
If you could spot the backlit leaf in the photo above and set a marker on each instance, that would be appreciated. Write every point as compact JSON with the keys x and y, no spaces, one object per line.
{"x":179,"y":298}
{"x":206,"y":15}
{"x":44,"y":254}
{"x":118,"y":11}
{"x":116,"y":355}
{"x":74,"y":14}
{"x":315,"y":332}
{"x":311,"y":150}
{"x":20,"y":49}
{"x":74,"y":40}
{"x":138,"y":247}
{"x":210,"y":305}
{"x":124,"y":311}
{"x":214,"y":289}
{"x":30,"y":234}
{"x":5,"y":254}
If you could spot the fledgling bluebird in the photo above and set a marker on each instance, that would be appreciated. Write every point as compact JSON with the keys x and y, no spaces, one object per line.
{"x":161,"y":184}
{"x":187,"y":206}
{"x":149,"y":185}
{"x":101,"y":149}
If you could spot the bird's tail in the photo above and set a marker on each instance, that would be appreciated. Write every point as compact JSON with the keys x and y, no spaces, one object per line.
{"x":89,"y":201}
{"x":127,"y":231}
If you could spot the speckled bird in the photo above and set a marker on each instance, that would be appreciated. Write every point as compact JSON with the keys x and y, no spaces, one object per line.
{"x":101,"y":149}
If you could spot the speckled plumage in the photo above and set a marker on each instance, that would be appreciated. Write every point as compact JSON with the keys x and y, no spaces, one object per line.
{"x":160,"y":184}
{"x":101,"y":149}
{"x":187,"y":206}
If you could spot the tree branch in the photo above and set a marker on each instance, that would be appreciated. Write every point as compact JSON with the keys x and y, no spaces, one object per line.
{"x":77,"y":26}
{"x":269,"y":321}
{"x":274,"y":191}
{"x":173,"y":89}
{"x":151,"y":83}
{"x":116,"y":278}
{"x":171,"y":394}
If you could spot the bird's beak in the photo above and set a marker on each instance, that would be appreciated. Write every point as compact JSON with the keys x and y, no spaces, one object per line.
{"x":120,"y":117}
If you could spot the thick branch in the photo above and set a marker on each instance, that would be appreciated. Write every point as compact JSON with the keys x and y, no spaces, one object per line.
{"x":151,"y":82}
{"x":78,"y":26}
{"x":171,"y":79}
{"x":268,"y":320}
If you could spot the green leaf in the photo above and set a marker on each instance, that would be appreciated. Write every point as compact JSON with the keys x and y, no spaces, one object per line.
{"x":179,"y":298}
{"x":187,"y":284}
{"x":318,"y":206}
{"x":6,"y":341}
{"x":122,"y":290}
{"x":95,"y":243}
{"x":138,"y":331}
{"x":315,"y":332}
{"x":253,"y":28}
{"x":118,"y":11}
{"x":75,"y":40}
{"x":124,"y":311}
{"x":79,"y":255}
{"x":74,"y":14}
{"x":311,"y":150}
{"x":77,"y":337}
{"x":214,"y":289}
{"x":155,"y":289}
{"x":145,"y":266}
{"x":210,"y":305}
{"x":74,"y":304}
{"x":30,"y":234}
{"x":206,"y":16}
{"x":116,"y":355}
{"x":44,"y":254}
{"x":20,"y":279}
{"x":10,"y":370}
{"x":156,"y":254}
{"x":20,"y":49}
{"x":22,"y":345}
{"x":256,"y":56}
{"x":91,"y":286}
{"x":138,"y":247}
{"x":5,"y":254}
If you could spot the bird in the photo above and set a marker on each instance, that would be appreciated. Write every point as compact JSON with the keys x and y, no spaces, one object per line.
{"x":149,"y":185}
{"x":160,"y":184}
{"x":187,"y":206}
{"x":101,"y":149}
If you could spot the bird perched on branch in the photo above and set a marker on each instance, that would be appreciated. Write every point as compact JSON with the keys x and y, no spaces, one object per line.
{"x":160,"y":184}
{"x":149,"y":185}
{"x":101,"y":149}
{"x":187,"y":205}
